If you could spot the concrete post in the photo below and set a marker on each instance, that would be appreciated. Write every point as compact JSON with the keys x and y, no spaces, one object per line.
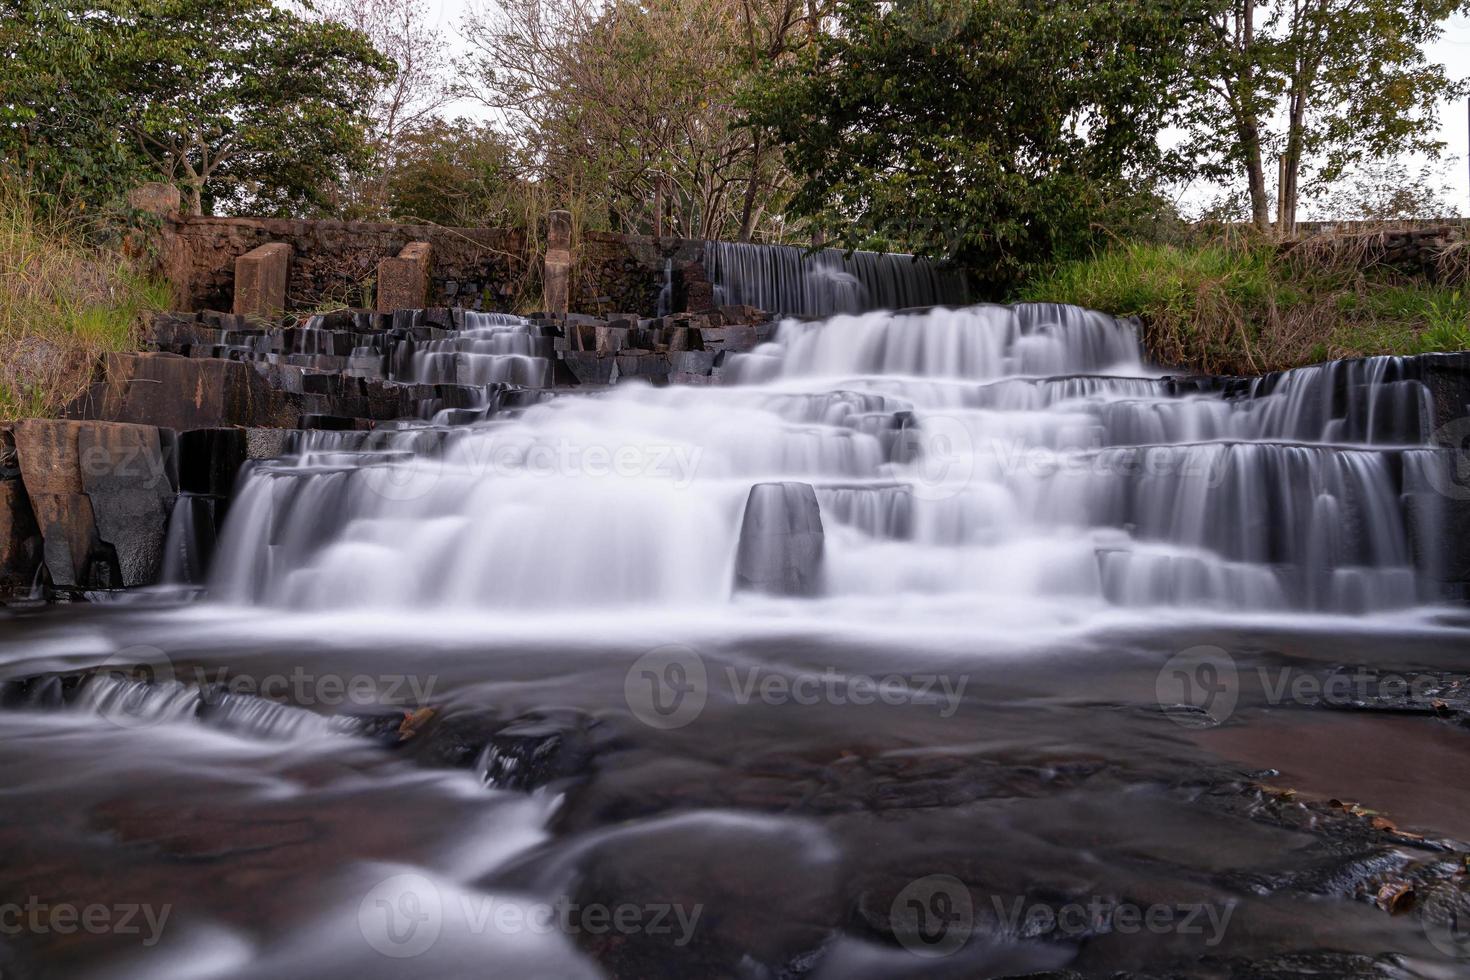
{"x":403,"y":282}
{"x":556,"y":274}
{"x":260,"y":280}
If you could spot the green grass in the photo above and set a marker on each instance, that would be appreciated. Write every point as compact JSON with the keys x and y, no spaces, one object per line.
{"x":1242,"y":307}
{"x":63,"y":303}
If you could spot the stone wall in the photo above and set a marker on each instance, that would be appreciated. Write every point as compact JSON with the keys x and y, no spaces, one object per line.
{"x":337,"y":261}
{"x":627,"y":274}
{"x":1420,"y":251}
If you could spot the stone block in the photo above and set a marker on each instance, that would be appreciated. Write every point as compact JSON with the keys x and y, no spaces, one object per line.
{"x":186,"y":393}
{"x":260,"y":280}
{"x":403,"y":282}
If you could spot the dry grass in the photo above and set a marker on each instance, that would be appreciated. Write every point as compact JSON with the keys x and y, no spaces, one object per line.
{"x":63,"y":302}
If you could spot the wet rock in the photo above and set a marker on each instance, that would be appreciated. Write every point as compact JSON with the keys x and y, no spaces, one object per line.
{"x":591,"y":368}
{"x":538,"y":748}
{"x":739,"y":896}
{"x":20,"y":538}
{"x":781,"y":541}
{"x":210,"y":458}
{"x":266,"y":443}
{"x":73,"y":555}
{"x":125,"y":479}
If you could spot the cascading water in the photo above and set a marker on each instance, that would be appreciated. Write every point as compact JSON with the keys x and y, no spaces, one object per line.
{"x":791,"y":280}
{"x":963,"y":460}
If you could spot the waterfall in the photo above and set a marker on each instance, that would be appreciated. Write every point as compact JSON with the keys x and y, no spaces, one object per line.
{"x":977,"y":461}
{"x":790,"y":280}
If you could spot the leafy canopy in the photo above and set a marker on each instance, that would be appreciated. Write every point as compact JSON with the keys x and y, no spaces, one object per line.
{"x":1000,"y":133}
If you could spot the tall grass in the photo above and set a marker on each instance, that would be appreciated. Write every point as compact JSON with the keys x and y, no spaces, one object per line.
{"x":63,"y":302}
{"x":1245,"y":307}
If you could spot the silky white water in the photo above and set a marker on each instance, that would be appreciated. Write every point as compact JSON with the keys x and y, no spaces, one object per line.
{"x":962,"y":460}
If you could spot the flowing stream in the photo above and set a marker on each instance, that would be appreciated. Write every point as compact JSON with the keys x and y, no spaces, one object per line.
{"x":963,"y":461}
{"x":877,"y":660}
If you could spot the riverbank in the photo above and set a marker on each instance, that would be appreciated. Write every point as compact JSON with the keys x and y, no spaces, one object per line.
{"x":1237,"y":306}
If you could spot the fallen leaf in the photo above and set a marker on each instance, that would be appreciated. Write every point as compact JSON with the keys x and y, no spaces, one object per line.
{"x":1395,"y":897}
{"x":413,"y":721}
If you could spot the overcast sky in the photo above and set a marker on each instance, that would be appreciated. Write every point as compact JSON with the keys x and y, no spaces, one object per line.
{"x":1453,"y":51}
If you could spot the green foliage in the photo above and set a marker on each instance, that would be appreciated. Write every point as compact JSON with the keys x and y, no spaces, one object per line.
{"x":998,"y":133}
{"x":1242,"y":307}
{"x":1321,"y":85}
{"x":454,"y":173}
{"x":240,"y":102}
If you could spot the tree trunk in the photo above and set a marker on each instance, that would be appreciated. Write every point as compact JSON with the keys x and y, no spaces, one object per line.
{"x":747,"y":211}
{"x":1250,"y":126}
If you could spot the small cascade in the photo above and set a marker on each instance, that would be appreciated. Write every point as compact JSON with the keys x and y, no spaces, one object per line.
{"x":790,"y":280}
{"x":982,"y":455}
{"x":131,"y":702}
{"x":493,"y":348}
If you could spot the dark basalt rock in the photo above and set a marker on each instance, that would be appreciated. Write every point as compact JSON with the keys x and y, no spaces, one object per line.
{"x":538,"y":748}
{"x":781,"y":541}
{"x":125,"y":479}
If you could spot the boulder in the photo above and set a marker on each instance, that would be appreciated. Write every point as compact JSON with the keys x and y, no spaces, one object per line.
{"x":128,"y":489}
{"x":781,"y":541}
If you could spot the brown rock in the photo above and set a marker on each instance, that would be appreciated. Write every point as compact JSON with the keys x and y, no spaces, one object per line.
{"x":403,"y":282}
{"x":260,"y":280}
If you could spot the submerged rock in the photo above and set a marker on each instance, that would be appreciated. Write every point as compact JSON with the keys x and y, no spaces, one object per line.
{"x":781,"y":541}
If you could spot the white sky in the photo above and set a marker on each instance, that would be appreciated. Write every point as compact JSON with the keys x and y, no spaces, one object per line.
{"x":1453,"y":51}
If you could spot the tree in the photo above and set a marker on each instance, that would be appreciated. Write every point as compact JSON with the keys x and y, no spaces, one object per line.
{"x":237,"y":101}
{"x":408,"y":102}
{"x":455,"y":173}
{"x":1319,"y":86}
{"x":633,"y":107}
{"x":1388,"y":190}
{"x":58,"y":108}
{"x":999,"y":133}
